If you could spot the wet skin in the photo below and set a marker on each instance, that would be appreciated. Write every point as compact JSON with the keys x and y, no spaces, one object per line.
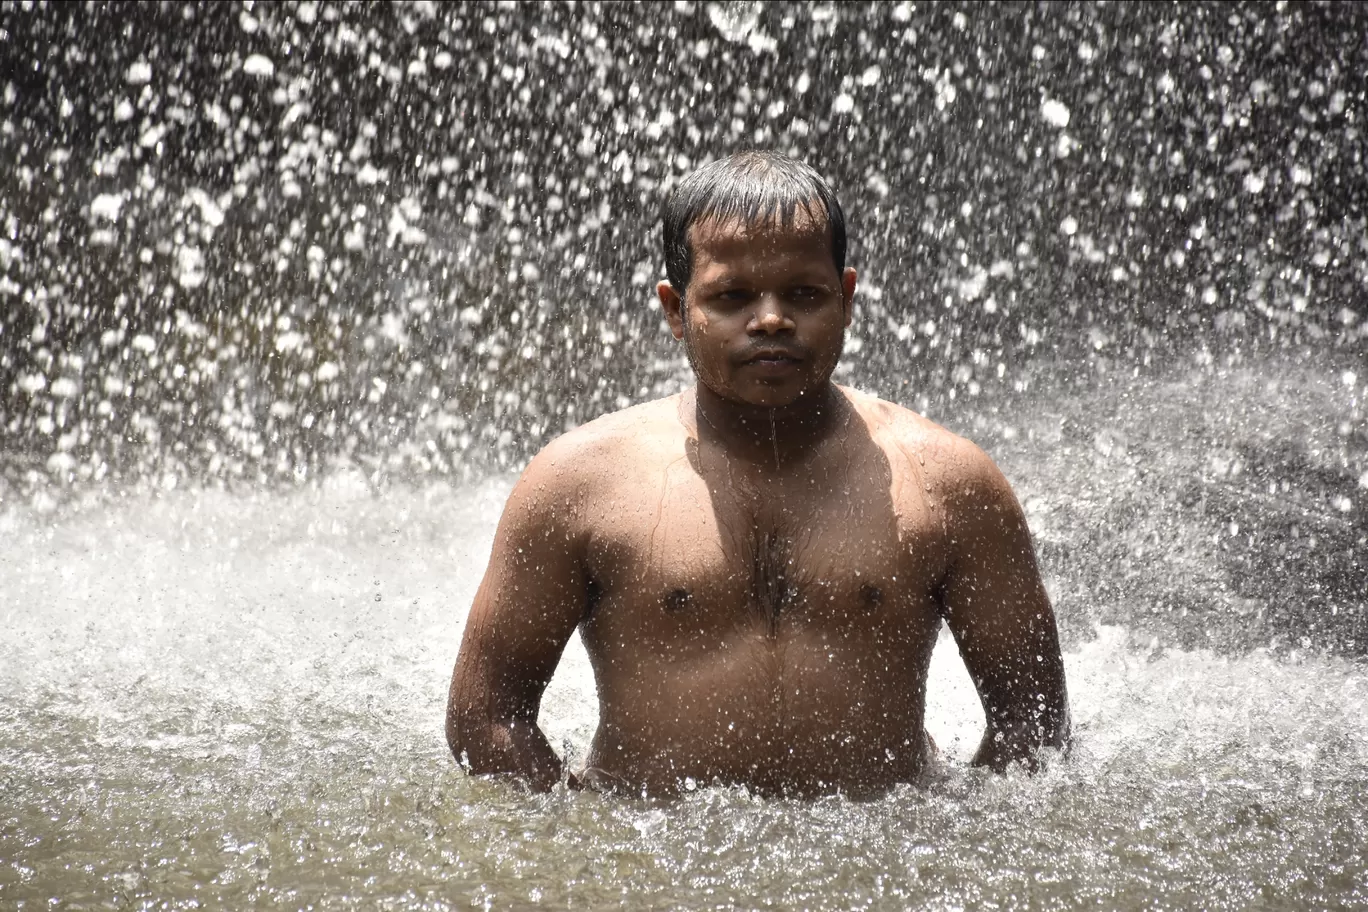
{"x":759,"y":566}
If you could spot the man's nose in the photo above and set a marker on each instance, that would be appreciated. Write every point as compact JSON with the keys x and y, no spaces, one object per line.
{"x":769,"y":317}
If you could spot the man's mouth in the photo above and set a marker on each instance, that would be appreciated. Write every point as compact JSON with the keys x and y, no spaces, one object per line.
{"x":774,"y":362}
{"x":772,"y":357}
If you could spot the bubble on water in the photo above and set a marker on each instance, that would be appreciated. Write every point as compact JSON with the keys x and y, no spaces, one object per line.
{"x":368,"y":175}
{"x":1055,"y":112}
{"x":258,"y":65}
{"x":209,"y":209}
{"x":152,"y":136}
{"x":190,"y":267}
{"x":60,"y":463}
{"x":651,"y":823}
{"x":735,"y":19}
{"x":107,"y":206}
{"x":138,"y":73}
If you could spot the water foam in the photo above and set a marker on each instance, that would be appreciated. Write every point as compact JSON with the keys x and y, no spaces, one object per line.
{"x":238,"y":699}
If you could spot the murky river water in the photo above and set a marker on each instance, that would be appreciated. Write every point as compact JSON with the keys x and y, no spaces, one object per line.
{"x":259,"y":260}
{"x":225,"y":700}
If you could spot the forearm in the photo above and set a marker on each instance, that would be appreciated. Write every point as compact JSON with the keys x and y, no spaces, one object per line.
{"x":486,"y":746}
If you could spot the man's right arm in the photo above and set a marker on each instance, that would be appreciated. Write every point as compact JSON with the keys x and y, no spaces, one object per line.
{"x":531,"y":600}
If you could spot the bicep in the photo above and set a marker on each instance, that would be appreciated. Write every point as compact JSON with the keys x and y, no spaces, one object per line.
{"x":528,"y":605}
{"x":995,"y":603}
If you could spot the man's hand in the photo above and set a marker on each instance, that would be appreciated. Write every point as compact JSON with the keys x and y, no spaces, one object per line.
{"x":533,"y":595}
{"x":997,"y":609}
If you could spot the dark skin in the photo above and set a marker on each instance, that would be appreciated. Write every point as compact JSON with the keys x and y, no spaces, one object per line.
{"x":758,"y":566}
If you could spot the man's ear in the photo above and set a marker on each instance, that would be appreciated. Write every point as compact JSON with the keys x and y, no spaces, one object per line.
{"x":848,"y":293}
{"x":673,"y":304}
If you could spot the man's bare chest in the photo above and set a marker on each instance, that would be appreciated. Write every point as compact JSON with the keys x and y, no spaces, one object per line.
{"x":692,"y":554}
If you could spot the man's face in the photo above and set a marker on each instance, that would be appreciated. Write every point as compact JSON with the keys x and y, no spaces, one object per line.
{"x":765,"y":313}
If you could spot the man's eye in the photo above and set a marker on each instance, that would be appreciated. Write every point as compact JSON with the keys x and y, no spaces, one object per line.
{"x":735,"y":294}
{"x":805,"y":291}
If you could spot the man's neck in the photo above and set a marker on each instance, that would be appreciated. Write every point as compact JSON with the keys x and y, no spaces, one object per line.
{"x":771,"y":438}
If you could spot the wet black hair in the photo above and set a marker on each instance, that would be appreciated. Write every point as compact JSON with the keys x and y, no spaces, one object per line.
{"x":751,"y":187}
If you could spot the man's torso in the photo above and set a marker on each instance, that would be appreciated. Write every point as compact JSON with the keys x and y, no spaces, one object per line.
{"x":761,"y":627}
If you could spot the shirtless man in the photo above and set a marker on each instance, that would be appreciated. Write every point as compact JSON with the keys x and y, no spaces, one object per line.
{"x":758,"y":566}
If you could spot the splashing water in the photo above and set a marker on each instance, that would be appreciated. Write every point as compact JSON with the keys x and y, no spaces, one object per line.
{"x":236,"y":699}
{"x":286,"y":290}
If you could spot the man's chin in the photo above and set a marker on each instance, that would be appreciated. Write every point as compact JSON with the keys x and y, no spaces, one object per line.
{"x":760,"y":396}
{"x":748,"y":392}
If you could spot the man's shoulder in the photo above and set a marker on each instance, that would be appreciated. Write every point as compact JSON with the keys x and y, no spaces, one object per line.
{"x":947,"y":460}
{"x":916,"y":434}
{"x":608,"y":446}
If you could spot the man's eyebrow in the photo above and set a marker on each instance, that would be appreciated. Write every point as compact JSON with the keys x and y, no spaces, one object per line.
{"x":729,"y":278}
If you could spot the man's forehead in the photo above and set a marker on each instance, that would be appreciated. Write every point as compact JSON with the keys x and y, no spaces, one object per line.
{"x":806,"y":226}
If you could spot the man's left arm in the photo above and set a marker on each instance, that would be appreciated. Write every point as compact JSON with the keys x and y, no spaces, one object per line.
{"x":996,"y":606}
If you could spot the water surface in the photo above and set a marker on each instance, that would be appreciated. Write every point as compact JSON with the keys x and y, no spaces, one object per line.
{"x":230,"y":699}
